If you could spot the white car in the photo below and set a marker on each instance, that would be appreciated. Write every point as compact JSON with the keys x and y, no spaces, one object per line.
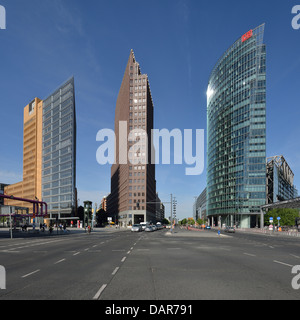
{"x":136,"y":228}
{"x":149,"y":228}
{"x":144,"y":225}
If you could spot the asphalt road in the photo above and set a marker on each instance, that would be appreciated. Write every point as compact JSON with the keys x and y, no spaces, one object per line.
{"x":120,"y":265}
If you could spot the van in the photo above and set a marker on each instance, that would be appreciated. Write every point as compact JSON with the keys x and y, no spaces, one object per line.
{"x":144,"y":225}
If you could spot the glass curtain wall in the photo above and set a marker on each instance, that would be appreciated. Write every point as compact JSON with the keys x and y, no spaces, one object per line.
{"x":59,"y":152}
{"x":236,"y":119}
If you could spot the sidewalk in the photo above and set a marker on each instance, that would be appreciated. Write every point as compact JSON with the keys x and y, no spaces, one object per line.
{"x":270,"y":233}
{"x":193,"y":232}
{"x":30,"y":233}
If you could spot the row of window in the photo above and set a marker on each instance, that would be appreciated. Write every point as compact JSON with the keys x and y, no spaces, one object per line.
{"x":66,"y":197}
{"x":138,"y":174}
{"x":136,"y":194}
{"x":136,"y":88}
{"x":57,"y":191}
{"x":136,"y":208}
{"x":61,"y":182}
{"x":137,"y":168}
{"x":52,"y":175}
{"x":137,"y":181}
{"x":66,"y":163}
{"x":62,"y":157}
{"x":136,"y":188}
{"x":137,"y":81}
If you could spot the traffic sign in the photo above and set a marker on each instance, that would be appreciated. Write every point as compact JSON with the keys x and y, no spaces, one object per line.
{"x":278,"y":218}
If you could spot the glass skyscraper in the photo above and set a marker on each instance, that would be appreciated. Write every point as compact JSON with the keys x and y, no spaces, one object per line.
{"x":236,"y":120}
{"x":59,"y":152}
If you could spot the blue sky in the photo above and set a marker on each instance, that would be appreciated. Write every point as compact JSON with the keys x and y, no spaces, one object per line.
{"x":176,"y":42}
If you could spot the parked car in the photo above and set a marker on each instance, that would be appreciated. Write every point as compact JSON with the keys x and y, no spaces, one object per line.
{"x":149,"y":229}
{"x":230,"y":229}
{"x":136,"y":228}
{"x":159,"y":226}
{"x":144,"y":225}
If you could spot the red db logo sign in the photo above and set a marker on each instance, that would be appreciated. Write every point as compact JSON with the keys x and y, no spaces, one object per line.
{"x":247,"y":35}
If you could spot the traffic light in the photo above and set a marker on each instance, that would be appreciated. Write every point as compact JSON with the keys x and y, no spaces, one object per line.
{"x":87,"y":212}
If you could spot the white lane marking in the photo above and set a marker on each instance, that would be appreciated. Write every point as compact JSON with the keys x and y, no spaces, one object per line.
{"x":115,"y":271}
{"x":59,"y":261}
{"x":249,"y":254}
{"x":31,"y":273}
{"x":285,"y":264}
{"x":123,"y":259}
{"x":97,"y":295}
{"x":37,"y":244}
{"x":75,"y":254}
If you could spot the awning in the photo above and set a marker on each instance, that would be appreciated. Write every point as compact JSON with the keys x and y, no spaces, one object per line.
{"x":287,"y":204}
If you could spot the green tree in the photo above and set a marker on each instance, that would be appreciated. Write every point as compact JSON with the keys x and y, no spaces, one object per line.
{"x":101,"y":218}
{"x":200,"y":222}
{"x":184,"y":221}
{"x":287,"y":216}
{"x":165,"y":221}
{"x":191,"y":221}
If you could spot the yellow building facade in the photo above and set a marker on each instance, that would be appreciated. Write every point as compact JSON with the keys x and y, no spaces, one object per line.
{"x":31,"y":186}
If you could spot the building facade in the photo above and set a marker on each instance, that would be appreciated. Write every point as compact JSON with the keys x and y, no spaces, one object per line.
{"x":59,"y":152}
{"x":133,"y":185}
{"x":236,"y":119}
{"x":280,"y":180}
{"x":2,"y":186}
{"x":200,"y":207}
{"x":49,"y":154}
{"x":103,"y":205}
{"x":30,"y":187}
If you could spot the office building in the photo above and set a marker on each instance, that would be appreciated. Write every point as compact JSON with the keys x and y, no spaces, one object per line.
{"x":133,"y":185}
{"x":30,"y":187}
{"x":59,"y":152}
{"x":200,"y":207}
{"x":236,"y":119}
{"x":160,"y":209}
{"x":103,"y":205}
{"x":2,"y":186}
{"x":49,"y":154}
{"x":280,"y":180}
